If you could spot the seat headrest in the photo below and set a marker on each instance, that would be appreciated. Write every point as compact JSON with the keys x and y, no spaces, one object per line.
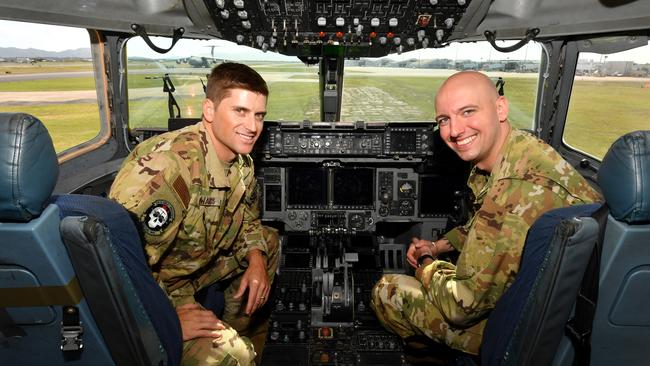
{"x":28,"y":167}
{"x":624,"y":178}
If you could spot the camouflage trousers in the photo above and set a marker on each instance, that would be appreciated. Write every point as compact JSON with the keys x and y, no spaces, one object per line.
{"x":235,"y":347}
{"x":402,"y":306}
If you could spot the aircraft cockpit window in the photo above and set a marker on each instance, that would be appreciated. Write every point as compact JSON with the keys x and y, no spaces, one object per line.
{"x":402,"y":87}
{"x":47,"y":71}
{"x":394,"y":88}
{"x":172,"y":84}
{"x":609,"y":99}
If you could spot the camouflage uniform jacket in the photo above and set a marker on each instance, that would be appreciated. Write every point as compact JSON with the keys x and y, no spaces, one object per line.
{"x":529,"y":179}
{"x":198,"y":223}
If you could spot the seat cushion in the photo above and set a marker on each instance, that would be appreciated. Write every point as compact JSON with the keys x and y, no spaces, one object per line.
{"x":624,"y":178}
{"x":126,"y":241}
{"x":510,"y":311}
{"x":28,"y":167}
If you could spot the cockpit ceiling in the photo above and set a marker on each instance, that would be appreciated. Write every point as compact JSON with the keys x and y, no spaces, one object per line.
{"x":510,"y":18}
{"x":368,"y":28}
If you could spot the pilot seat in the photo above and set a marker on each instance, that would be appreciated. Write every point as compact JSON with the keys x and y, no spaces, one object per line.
{"x":75,"y":288}
{"x":581,"y":294}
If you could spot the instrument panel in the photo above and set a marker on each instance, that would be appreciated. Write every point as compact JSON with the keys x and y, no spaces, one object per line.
{"x":347,"y":178}
{"x":341,"y":140}
{"x":313,"y":196}
{"x":368,"y":28}
{"x":348,"y":199}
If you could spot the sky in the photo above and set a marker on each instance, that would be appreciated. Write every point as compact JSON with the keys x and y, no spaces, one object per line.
{"x":41,"y":36}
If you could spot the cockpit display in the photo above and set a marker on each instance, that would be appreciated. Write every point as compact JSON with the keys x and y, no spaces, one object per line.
{"x":307,"y":187}
{"x":353,"y":187}
{"x":403,"y":141}
{"x":437,"y":197}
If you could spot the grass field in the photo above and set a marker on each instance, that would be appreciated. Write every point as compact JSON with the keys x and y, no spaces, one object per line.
{"x":68,"y":124}
{"x":44,"y":67}
{"x":67,"y":84}
{"x":601,"y":109}
{"x":600,"y":112}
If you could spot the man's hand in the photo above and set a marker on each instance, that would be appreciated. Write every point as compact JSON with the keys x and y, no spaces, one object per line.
{"x":421,"y":247}
{"x":417,"y":248}
{"x":256,"y":281}
{"x":196,"y":322}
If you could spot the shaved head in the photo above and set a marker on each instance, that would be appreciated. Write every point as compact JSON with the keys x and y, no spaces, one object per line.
{"x":472,"y":117}
{"x":469,"y":79}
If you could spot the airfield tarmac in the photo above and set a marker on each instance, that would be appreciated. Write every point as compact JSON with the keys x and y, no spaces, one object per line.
{"x":367,"y":95}
{"x":27,"y":98}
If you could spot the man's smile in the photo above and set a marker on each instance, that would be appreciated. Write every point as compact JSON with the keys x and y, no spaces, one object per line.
{"x":465,"y":141}
{"x":246,"y":137}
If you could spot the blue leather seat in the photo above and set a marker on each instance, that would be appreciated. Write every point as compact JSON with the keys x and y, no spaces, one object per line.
{"x":72,"y":271}
{"x":528,"y":321}
{"x":621,"y":328}
{"x":527,"y":327}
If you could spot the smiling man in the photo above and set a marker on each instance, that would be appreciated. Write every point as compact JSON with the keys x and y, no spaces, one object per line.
{"x":194,"y":195}
{"x":515,"y":179}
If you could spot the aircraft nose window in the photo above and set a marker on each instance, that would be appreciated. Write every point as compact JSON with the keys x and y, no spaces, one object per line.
{"x":391,"y":88}
{"x":293,"y":86}
{"x":401,"y":87}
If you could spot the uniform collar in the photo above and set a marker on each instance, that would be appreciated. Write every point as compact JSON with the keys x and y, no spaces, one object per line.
{"x":481,"y":180}
{"x":510,"y":159}
{"x":215,"y":168}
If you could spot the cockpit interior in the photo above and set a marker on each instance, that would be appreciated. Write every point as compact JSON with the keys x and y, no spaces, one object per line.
{"x":346,"y":195}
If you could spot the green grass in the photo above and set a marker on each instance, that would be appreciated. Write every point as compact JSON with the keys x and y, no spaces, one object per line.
{"x":417,"y":92}
{"x":287,"y":101}
{"x":150,"y":112}
{"x":600,"y":110}
{"x":63,"y":84}
{"x":153,"y":112}
{"x":267,"y":69}
{"x":136,"y":81}
{"x":68,"y":124}
{"x":420,"y":92}
{"x":44,"y":67}
{"x":592,"y":105}
{"x":304,"y":76}
{"x":293,"y":101}
{"x":284,"y":67}
{"x":521,"y":93}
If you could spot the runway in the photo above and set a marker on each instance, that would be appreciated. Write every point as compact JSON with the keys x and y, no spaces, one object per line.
{"x":46,"y":97}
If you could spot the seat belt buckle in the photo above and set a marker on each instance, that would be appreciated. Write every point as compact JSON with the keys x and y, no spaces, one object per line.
{"x":577,"y":333}
{"x":71,"y":338}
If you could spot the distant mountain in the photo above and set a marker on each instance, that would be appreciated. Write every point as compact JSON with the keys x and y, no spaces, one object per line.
{"x":6,"y":52}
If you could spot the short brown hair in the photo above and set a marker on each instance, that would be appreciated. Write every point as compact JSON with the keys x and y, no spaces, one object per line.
{"x":231,"y":75}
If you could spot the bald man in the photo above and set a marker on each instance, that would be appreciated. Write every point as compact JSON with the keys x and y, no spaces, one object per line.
{"x":515,"y":178}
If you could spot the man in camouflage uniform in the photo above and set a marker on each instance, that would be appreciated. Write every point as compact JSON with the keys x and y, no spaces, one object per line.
{"x":196,"y":199}
{"x":514,"y":180}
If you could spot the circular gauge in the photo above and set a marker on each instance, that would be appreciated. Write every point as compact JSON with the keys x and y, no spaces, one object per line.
{"x":406,"y":189}
{"x":356,"y":221}
{"x":406,"y":208}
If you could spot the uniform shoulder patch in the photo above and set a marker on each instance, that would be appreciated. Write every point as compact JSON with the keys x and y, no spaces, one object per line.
{"x":181,"y":189}
{"x":157,"y":217}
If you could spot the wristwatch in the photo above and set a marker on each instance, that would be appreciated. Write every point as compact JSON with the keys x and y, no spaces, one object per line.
{"x":422,"y":258}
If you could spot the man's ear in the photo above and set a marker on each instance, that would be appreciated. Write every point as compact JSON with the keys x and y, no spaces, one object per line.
{"x":208,"y":110}
{"x":502,"y":108}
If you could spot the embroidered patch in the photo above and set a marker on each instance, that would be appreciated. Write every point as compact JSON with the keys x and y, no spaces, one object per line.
{"x":181,"y":189}
{"x":157,"y":217}
{"x":208,"y":201}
